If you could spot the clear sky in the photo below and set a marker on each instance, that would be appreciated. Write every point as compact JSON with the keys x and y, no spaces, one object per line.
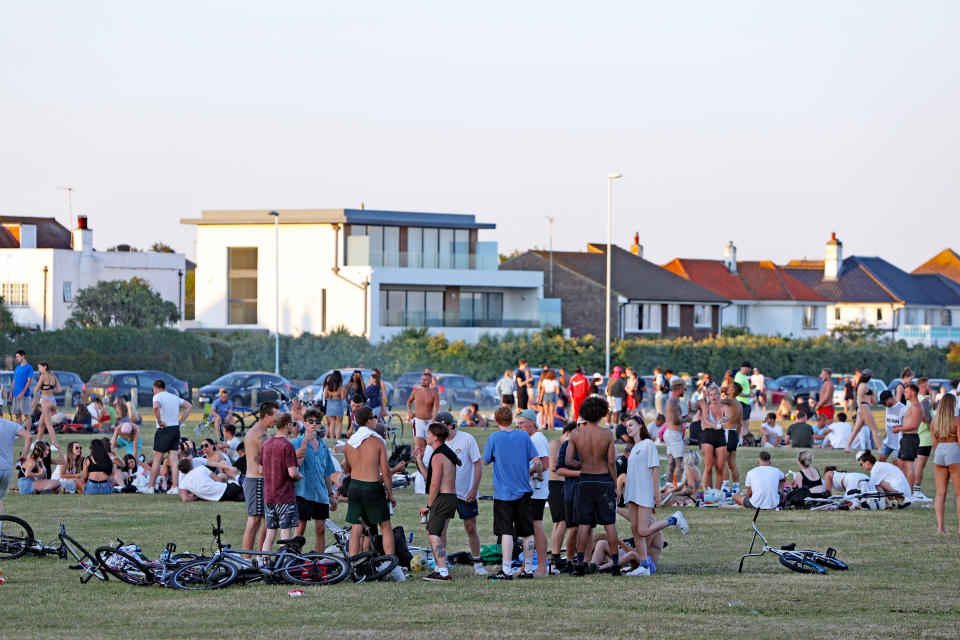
{"x":767,"y":123}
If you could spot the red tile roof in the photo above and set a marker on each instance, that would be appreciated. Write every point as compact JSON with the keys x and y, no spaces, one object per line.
{"x":761,"y":280}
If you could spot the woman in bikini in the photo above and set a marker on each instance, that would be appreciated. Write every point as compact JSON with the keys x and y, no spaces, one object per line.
{"x":864,"y":414}
{"x":47,"y":385}
{"x":713,"y":440}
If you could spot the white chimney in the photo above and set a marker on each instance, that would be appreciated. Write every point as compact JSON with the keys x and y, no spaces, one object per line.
{"x":831,"y":266}
{"x":82,"y":236}
{"x":28,"y":236}
{"x":730,"y":258}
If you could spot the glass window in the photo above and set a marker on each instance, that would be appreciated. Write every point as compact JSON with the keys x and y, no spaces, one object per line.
{"x":701,"y":315}
{"x":68,"y":292}
{"x":836,"y":313}
{"x":414,"y":247}
{"x":376,"y":245}
{"x":673,"y":315}
{"x":416,"y":304}
{"x":434,"y":308}
{"x":391,"y":246}
{"x":446,"y":248}
{"x":631,"y":317}
{"x":809,"y":317}
{"x":743,"y":315}
{"x":481,"y":309}
{"x":430,"y":248}
{"x":15,"y":294}
{"x":241,"y":285}
{"x":650,"y":317}
{"x":879,"y":314}
{"x":400,"y":307}
{"x":461,"y":249}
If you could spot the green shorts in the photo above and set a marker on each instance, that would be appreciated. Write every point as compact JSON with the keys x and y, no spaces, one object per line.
{"x":442,"y":509}
{"x":367,"y":503}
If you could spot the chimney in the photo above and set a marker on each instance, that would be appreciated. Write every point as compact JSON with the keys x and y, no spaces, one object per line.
{"x":636,"y":248}
{"x":82,"y":236}
{"x":28,"y":236}
{"x":730,"y":257}
{"x":834,"y":258}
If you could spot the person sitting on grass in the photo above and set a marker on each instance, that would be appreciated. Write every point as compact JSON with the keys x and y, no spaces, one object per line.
{"x":764,"y":485}
{"x":808,"y":475}
{"x":197,"y":482}
{"x":97,"y":469}
{"x":35,"y":472}
{"x":232,"y":443}
{"x":470,"y":416}
{"x":221,"y":413}
{"x":683,"y":495}
{"x":887,"y":477}
{"x":602,"y":562}
{"x":216,"y":460}
{"x":772,"y":432}
{"x":71,"y":472}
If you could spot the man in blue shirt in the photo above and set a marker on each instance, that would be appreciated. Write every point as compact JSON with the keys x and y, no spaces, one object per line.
{"x":222,"y":412}
{"x":510,"y":451}
{"x":20,"y":394}
{"x":315,"y":490}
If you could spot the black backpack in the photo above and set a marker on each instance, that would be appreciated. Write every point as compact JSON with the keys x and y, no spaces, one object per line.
{"x":399,"y":545}
{"x":401,"y":453}
{"x":795,"y":499}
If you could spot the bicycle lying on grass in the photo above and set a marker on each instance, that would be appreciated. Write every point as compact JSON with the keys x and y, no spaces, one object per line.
{"x":366,"y":566}
{"x":800,"y":561}
{"x":17,"y":540}
{"x":127,"y":563}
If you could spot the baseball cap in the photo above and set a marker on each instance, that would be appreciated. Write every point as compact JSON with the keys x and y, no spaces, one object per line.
{"x":617,"y":368}
{"x":529,"y":414}
{"x":445,"y":417}
{"x":745,"y":363}
{"x":597,"y":375}
{"x":885,"y":395}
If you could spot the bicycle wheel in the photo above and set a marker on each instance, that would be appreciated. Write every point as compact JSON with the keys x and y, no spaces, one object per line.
{"x":124,"y":566}
{"x":314,"y":569}
{"x":828,"y":562}
{"x":16,"y":537}
{"x":395,"y":426}
{"x":796,"y":562}
{"x":373,"y":568}
{"x":204,"y":429}
{"x":204,"y":575}
{"x":91,"y":566}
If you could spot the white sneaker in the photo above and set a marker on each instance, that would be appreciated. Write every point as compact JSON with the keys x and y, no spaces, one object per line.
{"x":146,"y":490}
{"x":918,"y":496}
{"x":173,"y":491}
{"x":639,"y":571}
{"x":480,"y":571}
{"x":681,"y":523}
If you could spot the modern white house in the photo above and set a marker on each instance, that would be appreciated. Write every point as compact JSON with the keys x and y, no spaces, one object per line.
{"x":373,"y":272}
{"x":43,"y":265}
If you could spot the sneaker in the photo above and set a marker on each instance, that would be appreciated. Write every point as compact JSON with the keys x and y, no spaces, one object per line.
{"x":736,"y":487}
{"x":436,"y":577}
{"x":681,"y":523}
{"x":918,"y":496}
{"x":146,"y":490}
{"x":480,"y":571}
{"x":523,"y":575}
{"x":500,"y":575}
{"x":639,"y":571}
{"x":725,"y":486}
{"x":579,"y":570}
{"x":173,"y":491}
{"x":904,"y":504}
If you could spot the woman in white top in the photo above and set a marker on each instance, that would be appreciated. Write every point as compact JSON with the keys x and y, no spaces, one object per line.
{"x":887,"y":477}
{"x":642,"y":491}
{"x":547,"y":398}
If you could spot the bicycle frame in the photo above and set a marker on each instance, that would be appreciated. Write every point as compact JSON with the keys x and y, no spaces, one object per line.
{"x":756,"y":533}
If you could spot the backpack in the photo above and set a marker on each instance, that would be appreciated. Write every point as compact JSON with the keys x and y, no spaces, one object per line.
{"x":399,"y":546}
{"x":401,"y":453}
{"x":491,"y":553}
{"x":795,"y":499}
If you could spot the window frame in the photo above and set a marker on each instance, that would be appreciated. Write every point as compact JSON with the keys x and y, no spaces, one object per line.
{"x":245,"y":274}
{"x":707,"y":321}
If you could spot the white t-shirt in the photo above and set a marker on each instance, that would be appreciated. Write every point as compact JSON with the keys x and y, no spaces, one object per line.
{"x":200,"y":483}
{"x":94,"y":411}
{"x":232,"y":445}
{"x":639,"y":488}
{"x":758,"y":382}
{"x":465,"y":446}
{"x":839,"y":434}
{"x":886,"y":472}
{"x":541,"y":488}
{"x":169,"y":407}
{"x":894,"y":419}
{"x":776,"y":429}
{"x":847,"y":480}
{"x":764,"y":482}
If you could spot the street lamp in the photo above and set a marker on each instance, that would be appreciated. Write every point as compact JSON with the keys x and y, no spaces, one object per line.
{"x":610,"y":178}
{"x":276,"y":269}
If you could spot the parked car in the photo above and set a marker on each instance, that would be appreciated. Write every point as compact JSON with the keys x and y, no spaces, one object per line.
{"x":457,"y":391}
{"x":935,"y":384}
{"x":404,"y":386}
{"x":311,"y":392}
{"x":110,"y":384}
{"x":800,"y":387}
{"x":240,"y":385}
{"x":67,"y":379}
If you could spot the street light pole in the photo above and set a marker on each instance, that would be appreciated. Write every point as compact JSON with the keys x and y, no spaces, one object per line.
{"x":276,"y":268}
{"x":550,"y":220}
{"x":610,"y":178}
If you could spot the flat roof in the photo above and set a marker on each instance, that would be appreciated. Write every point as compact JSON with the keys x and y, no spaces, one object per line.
{"x":340,"y":216}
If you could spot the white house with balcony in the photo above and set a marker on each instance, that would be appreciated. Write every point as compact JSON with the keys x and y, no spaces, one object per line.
{"x":43,"y":265}
{"x":373,"y":272}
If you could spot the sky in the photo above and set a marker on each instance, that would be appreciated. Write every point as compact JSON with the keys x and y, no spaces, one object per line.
{"x":770,"y":124}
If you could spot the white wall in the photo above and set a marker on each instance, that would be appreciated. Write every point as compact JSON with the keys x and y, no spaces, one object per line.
{"x":773,"y":318}
{"x":865,"y":314}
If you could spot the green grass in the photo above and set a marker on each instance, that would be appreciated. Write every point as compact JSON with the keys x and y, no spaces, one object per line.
{"x":904,"y":579}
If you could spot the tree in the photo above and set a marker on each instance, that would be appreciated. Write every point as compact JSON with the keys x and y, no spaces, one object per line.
{"x":190,"y":295}
{"x":159,"y":247}
{"x":8,"y":326}
{"x":116,"y":303}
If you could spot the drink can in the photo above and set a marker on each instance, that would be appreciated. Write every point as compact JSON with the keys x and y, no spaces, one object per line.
{"x":295,"y":593}
{"x":423,"y":519}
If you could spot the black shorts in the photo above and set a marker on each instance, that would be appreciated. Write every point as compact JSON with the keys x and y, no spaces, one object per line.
{"x":924,"y":451}
{"x":513,"y":517}
{"x":733,"y":439}
{"x":596,"y":500}
{"x":233,"y":493}
{"x":745,"y":410}
{"x":310,"y":510}
{"x":536,"y":508}
{"x":467,"y":510}
{"x":508,"y":399}
{"x":714,"y":437}
{"x":522,"y":399}
{"x":909,"y":443}
{"x":570,"y":513}
{"x":167,"y":439}
{"x":555,"y":500}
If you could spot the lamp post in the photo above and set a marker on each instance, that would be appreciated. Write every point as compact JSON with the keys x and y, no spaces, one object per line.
{"x":276,"y":269}
{"x":610,"y":178}
{"x":550,"y":220}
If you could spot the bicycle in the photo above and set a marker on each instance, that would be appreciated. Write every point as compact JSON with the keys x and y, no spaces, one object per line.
{"x":395,"y":428}
{"x":804,"y":561}
{"x":366,"y":566}
{"x":228,"y":566}
{"x":126,"y":563}
{"x":17,"y":540}
{"x":873,"y":500}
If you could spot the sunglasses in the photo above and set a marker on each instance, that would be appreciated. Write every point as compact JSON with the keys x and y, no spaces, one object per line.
{"x":313,"y":421}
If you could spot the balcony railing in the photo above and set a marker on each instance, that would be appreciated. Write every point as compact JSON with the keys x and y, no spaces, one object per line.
{"x":929,"y":334}
{"x":360,"y":254}
{"x":547,"y":315}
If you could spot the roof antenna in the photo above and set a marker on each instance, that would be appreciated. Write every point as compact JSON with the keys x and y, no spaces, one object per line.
{"x":361,"y":206}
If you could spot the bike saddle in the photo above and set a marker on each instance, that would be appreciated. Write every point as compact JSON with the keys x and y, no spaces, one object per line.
{"x":789,"y":547}
{"x":297,"y":541}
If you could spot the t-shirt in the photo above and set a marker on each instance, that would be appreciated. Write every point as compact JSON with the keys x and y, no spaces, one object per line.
{"x":764,"y":482}
{"x":510,"y":452}
{"x":8,"y":436}
{"x":640,"y":487}
{"x":894,"y":418}
{"x":276,"y":456}
{"x":169,"y":407}
{"x":839,"y":434}
{"x":801,"y":435}
{"x":232,"y":445}
{"x":200,"y":483}
{"x":886,"y":472}
{"x":465,"y":447}
{"x":541,"y":488}
{"x":22,"y":377}
{"x":222,"y":408}
{"x":744,"y":382}
{"x":520,"y":376}
{"x":776,"y":429}
{"x":758,"y":382}
{"x":847,"y":481}
{"x":923,"y":431}
{"x":621,"y":464}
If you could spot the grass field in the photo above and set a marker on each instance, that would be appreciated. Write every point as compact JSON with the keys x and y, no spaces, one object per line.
{"x":903,"y":580}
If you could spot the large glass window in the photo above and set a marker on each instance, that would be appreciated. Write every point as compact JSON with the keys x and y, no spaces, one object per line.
{"x":809,"y":317}
{"x":673,"y":315}
{"x":241,"y":285}
{"x":446,"y":248}
{"x":701,"y":315}
{"x":481,"y":308}
{"x":641,"y":317}
{"x":15,"y":294}
{"x":461,"y":249}
{"x":413,"y":307}
{"x":430,"y":248}
{"x":414,"y":247}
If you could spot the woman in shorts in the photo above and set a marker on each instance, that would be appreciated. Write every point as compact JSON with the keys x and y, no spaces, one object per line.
{"x":47,"y":385}
{"x":864,"y":412}
{"x":506,"y":389}
{"x":333,"y":395}
{"x":547,"y":398}
{"x":36,"y":472}
{"x":946,"y":454}
{"x":713,"y":440}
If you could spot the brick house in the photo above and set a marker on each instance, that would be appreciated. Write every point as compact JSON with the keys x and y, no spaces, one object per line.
{"x":646,"y":300}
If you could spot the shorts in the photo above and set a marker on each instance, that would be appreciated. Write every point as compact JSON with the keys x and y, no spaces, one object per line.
{"x":25,"y":486}
{"x":616,"y":403}
{"x":555,"y":500}
{"x":21,"y":406}
{"x":167,"y":439}
{"x":5,"y":476}
{"x":281,"y":516}
{"x":522,"y":399}
{"x":513,"y":517}
{"x":233,"y":493}
{"x":748,"y":504}
{"x":674,"y":442}
{"x":253,"y":496}
{"x":441,"y":511}
{"x":744,"y":411}
{"x":550,"y":397}
{"x":758,"y":396}
{"x":570,"y":513}
{"x":508,"y":399}
{"x":94,"y":488}
{"x":335,"y":407}
{"x":924,"y":451}
{"x":311,"y":510}
{"x":467,"y":510}
{"x":826,"y":411}
{"x":420,"y":428}
{"x":909,"y":443}
{"x":887,"y":451}
{"x":536,"y":508}
{"x":368,"y":503}
{"x":595,"y":502}
{"x":714,"y":437}
{"x":733,"y":439}
{"x":947,"y":453}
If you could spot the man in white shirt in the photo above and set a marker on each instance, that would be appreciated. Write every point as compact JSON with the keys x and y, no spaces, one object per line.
{"x":198,"y":482}
{"x":527,"y":421}
{"x":764,"y":485}
{"x":837,"y":434}
{"x":894,"y":419}
{"x":772,"y":432}
{"x":170,"y":411}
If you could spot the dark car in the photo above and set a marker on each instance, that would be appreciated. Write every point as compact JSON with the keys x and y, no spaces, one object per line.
{"x":67,"y":379}
{"x":241,"y":385}
{"x":458,"y":391}
{"x":799,"y":387}
{"x":404,"y":386}
{"x":110,"y":384}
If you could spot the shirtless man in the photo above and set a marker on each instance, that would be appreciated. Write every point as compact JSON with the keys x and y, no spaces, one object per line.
{"x":365,"y":461}
{"x":734,"y":408}
{"x":596,"y":499}
{"x":673,"y":436}
{"x":441,"y":498}
{"x":824,"y":404}
{"x":909,"y":438}
{"x":253,"y":482}
{"x":425,"y":403}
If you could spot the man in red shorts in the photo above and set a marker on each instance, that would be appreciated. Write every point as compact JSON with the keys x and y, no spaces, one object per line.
{"x":824,"y":406}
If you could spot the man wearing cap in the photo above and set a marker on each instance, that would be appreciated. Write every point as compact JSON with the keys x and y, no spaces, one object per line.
{"x":527,"y":421}
{"x":469,"y":472}
{"x":742,"y":378}
{"x":579,"y":390}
